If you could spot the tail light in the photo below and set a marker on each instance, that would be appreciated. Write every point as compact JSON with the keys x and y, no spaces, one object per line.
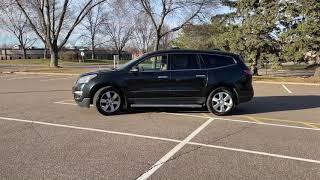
{"x":248,"y":72}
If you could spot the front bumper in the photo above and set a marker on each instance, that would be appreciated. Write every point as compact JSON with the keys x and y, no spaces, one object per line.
{"x":85,"y":102}
{"x":77,"y":92}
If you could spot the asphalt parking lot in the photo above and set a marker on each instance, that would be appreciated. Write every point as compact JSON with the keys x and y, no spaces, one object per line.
{"x":44,"y":135}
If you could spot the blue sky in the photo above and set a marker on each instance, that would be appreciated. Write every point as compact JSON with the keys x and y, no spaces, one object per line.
{"x":6,"y":38}
{"x":9,"y":40}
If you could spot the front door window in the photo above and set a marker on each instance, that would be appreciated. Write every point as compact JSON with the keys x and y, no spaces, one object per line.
{"x":154,"y":64}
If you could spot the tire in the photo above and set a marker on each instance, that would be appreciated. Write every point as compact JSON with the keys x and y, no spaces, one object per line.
{"x":108,"y":101}
{"x":221,"y":101}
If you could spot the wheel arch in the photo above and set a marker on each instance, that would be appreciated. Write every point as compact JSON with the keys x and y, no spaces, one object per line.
{"x":96,"y":88}
{"x":228,"y":86}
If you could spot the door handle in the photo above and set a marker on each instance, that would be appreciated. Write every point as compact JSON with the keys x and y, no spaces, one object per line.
{"x":201,"y":76}
{"x":162,"y":77}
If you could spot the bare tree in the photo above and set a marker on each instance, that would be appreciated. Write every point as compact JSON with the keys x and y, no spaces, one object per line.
{"x":49,"y":20}
{"x":5,"y":3}
{"x":144,"y":33}
{"x":2,"y":4}
{"x":120,"y":28}
{"x":14,"y":22}
{"x":166,"y":40}
{"x":160,"y":12}
{"x":93,"y":24}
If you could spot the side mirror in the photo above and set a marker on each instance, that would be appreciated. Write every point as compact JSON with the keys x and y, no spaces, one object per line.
{"x":134,"y":69}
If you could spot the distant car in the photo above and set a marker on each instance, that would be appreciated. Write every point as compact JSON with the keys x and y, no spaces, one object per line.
{"x":169,"y":78}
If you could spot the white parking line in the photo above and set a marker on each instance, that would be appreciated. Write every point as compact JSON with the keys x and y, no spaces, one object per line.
{"x":4,"y":77}
{"x":173,"y":151}
{"x":67,"y":102}
{"x":28,"y":77}
{"x":167,"y":139}
{"x":54,"y":79}
{"x":187,"y":115}
{"x":7,"y":75}
{"x":222,"y":119}
{"x":88,"y":129}
{"x":64,"y":103}
{"x":258,"y":153}
{"x":287,"y":89}
{"x":249,"y":122}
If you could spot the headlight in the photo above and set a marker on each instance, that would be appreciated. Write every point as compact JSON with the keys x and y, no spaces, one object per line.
{"x":86,"y":79}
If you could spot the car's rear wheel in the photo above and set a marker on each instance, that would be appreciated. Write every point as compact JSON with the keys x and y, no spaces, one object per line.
{"x":107,"y":101}
{"x":221,"y":101}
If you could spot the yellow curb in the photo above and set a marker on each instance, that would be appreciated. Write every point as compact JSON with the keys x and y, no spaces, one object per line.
{"x":310,"y":124}
{"x":253,"y":119}
{"x":290,"y":83}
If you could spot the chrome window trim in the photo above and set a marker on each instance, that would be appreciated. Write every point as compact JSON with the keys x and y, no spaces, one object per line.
{"x":198,"y":54}
{"x":153,"y":71}
{"x":187,"y":70}
{"x":222,"y":67}
{"x":151,"y":56}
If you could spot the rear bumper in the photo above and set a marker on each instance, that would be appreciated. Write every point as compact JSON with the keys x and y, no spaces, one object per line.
{"x":245,"y":98}
{"x":245,"y":89}
{"x":245,"y":95}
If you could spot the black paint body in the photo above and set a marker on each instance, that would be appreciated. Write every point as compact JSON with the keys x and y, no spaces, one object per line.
{"x":180,"y":87}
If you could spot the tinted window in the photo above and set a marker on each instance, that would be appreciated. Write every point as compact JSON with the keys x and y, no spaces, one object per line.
{"x":214,"y":61}
{"x":184,"y":61}
{"x":155,"y":63}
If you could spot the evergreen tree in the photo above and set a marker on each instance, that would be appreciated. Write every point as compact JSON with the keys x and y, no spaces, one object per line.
{"x":262,"y":31}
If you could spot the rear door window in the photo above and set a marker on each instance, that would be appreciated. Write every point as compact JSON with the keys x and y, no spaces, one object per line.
{"x":184,"y":61}
{"x":215,"y":61}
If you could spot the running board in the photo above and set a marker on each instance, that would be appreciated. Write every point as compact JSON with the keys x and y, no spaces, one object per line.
{"x":168,"y":105}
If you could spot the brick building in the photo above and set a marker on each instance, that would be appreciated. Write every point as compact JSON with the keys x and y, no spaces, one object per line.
{"x":39,"y":53}
{"x":12,"y":53}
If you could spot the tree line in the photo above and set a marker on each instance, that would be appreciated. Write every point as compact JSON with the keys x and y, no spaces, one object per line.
{"x":142,"y":24}
{"x":262,"y":31}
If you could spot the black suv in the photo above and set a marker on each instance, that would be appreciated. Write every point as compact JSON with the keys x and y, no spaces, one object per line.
{"x":169,"y":78}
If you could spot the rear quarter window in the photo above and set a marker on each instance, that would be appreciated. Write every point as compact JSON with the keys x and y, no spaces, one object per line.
{"x":215,"y":61}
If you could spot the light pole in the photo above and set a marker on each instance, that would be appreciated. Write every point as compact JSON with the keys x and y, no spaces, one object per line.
{"x":115,"y":61}
{"x":82,"y":55}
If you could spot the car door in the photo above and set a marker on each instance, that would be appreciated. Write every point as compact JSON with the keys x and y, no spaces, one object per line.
{"x":189,"y":77}
{"x":150,"y":83}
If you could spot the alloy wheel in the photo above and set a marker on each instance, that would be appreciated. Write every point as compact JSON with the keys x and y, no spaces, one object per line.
{"x":222,"y":102}
{"x":110,"y":101}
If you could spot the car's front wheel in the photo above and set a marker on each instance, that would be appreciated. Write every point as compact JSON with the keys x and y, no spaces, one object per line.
{"x":107,"y":101}
{"x":221,"y":101}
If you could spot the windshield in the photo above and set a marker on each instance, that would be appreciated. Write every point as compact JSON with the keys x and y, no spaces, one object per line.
{"x":123,"y":66}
